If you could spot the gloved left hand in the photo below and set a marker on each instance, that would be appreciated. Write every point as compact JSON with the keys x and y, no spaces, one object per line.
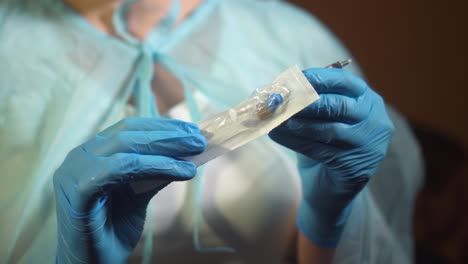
{"x":340,"y":139}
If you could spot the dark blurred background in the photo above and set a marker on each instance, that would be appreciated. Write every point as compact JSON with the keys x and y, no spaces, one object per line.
{"x":415,"y":53}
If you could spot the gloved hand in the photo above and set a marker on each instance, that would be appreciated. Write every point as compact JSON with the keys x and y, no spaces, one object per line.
{"x":99,"y":216}
{"x":340,"y":140}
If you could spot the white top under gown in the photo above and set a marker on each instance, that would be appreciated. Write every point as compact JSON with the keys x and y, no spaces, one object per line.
{"x":61,"y":81}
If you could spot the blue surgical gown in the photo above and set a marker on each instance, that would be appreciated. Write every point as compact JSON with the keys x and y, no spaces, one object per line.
{"x":61,"y":81}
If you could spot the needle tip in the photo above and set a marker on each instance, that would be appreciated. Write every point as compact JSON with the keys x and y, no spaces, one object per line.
{"x":346,"y":62}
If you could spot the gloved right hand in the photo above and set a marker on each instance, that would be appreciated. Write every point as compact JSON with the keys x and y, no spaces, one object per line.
{"x":340,"y":140}
{"x":100,"y":218}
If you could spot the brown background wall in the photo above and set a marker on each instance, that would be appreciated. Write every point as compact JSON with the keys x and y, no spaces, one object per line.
{"x":414,"y":52}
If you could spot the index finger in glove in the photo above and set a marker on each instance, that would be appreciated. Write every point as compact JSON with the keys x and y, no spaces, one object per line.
{"x":336,"y":134}
{"x":149,"y":124}
{"x":177,"y":143}
{"x":334,"y":107}
{"x":336,"y":81}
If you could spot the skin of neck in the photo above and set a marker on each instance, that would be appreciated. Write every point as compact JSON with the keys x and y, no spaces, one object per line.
{"x":141,"y":16}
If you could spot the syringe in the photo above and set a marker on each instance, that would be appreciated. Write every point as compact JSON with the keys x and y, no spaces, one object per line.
{"x":339,"y":64}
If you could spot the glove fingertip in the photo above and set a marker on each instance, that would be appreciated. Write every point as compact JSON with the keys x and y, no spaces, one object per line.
{"x":186,"y":170}
{"x":192,"y":127}
{"x":277,"y":133}
{"x":200,"y":142}
{"x":310,"y":75}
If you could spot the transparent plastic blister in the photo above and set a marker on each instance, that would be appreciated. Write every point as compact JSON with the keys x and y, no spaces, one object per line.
{"x":265,"y":109}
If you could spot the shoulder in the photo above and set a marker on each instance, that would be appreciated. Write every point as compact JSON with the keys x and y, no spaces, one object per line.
{"x":267,"y":9}
{"x":278,"y":17}
{"x":288,"y":30}
{"x":29,"y":68}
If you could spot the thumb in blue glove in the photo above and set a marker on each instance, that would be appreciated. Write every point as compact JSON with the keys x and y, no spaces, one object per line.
{"x":340,"y":140}
{"x":99,"y":216}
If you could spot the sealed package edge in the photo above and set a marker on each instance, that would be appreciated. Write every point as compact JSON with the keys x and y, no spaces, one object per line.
{"x":266,"y":108}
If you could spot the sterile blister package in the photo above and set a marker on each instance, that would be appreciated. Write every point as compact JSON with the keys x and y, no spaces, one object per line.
{"x":265,"y":109}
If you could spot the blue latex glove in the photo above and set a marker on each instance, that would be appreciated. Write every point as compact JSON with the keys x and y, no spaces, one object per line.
{"x":99,"y":216}
{"x":340,"y":140}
